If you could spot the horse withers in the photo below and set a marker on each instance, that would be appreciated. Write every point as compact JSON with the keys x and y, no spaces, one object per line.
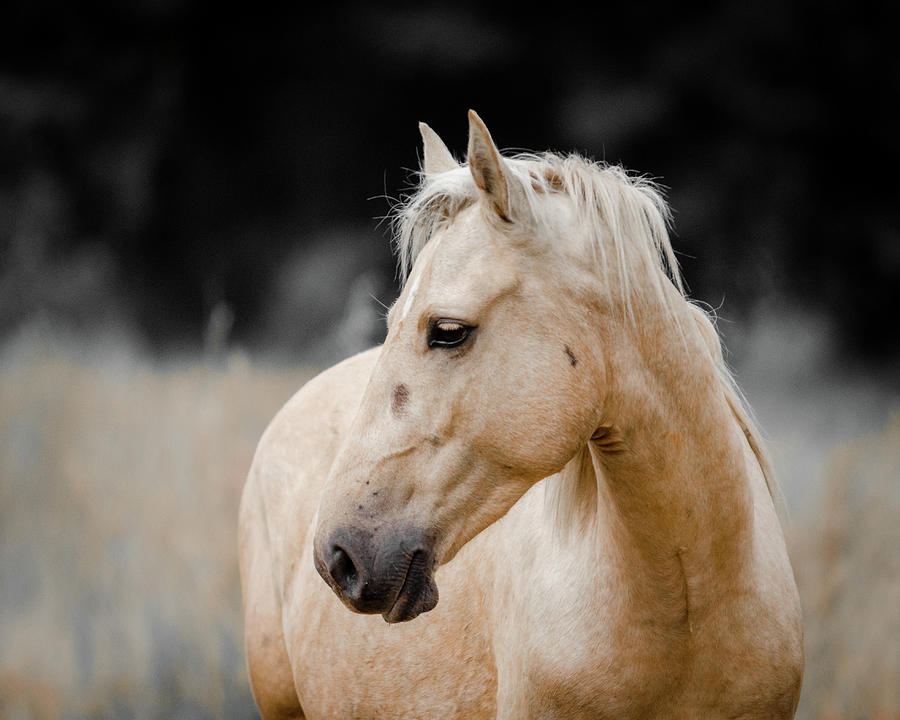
{"x":544,"y":481}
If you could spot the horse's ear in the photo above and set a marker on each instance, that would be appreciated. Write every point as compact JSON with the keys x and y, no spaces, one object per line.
{"x":437,"y":157}
{"x":487,"y":167}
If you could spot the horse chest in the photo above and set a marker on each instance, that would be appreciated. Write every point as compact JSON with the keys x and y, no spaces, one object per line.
{"x":573,"y":642}
{"x":570,"y":645}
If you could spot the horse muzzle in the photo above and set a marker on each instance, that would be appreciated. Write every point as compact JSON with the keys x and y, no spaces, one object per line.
{"x":390,"y":572}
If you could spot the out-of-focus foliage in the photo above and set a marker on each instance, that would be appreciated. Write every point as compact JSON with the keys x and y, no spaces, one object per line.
{"x":848,"y":569}
{"x":119,"y":486}
{"x":163,"y":164}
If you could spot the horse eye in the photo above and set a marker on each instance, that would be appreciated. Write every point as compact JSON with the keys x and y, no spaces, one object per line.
{"x":447,"y":334}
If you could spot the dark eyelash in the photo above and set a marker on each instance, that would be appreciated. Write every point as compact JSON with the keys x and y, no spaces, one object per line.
{"x":448,"y":334}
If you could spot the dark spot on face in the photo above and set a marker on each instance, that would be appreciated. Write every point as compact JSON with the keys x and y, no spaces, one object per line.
{"x":360,"y":507}
{"x":573,"y":361}
{"x":399,"y":398}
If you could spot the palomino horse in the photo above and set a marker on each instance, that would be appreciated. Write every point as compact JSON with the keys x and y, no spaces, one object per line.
{"x":544,"y":480}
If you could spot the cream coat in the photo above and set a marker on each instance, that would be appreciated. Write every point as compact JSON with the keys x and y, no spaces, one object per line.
{"x":604,"y":536}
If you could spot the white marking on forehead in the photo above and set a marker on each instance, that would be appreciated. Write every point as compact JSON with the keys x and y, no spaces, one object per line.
{"x":414,"y":288}
{"x":411,"y":294}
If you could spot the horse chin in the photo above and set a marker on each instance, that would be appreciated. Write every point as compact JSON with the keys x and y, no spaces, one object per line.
{"x":418,"y":594}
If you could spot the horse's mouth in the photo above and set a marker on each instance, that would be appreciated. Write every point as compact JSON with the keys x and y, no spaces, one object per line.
{"x":417,"y":594}
{"x":392,"y":576}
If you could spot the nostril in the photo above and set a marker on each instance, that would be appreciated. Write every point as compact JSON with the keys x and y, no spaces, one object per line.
{"x":343,"y":571}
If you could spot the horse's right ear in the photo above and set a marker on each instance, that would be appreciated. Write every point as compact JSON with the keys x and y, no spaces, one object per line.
{"x":437,"y":157}
{"x":487,"y":167}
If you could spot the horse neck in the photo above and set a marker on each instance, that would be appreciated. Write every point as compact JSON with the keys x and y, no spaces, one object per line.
{"x":668,"y":467}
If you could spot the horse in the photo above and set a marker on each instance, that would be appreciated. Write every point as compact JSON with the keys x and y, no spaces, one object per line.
{"x":545,"y":481}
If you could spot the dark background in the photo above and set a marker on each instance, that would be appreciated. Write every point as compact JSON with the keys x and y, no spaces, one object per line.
{"x":190,"y":170}
{"x":191,"y":198}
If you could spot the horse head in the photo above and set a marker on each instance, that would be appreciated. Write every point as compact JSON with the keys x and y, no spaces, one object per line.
{"x":486,"y":382}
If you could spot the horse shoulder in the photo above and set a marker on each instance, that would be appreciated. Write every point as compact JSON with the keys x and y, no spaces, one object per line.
{"x":770,"y":656}
{"x":267,"y":661}
{"x":277,"y":507}
{"x":749,"y":649}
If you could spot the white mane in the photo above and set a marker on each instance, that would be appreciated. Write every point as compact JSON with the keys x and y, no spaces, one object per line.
{"x":630,"y":209}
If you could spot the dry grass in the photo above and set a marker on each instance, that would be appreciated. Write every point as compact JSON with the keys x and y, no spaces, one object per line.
{"x":119,"y":486}
{"x":119,"y":597}
{"x":847,"y":563}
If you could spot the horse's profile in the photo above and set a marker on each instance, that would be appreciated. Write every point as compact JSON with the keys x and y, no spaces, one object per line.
{"x":544,"y":480}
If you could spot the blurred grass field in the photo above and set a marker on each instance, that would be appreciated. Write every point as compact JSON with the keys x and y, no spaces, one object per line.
{"x":119,"y":484}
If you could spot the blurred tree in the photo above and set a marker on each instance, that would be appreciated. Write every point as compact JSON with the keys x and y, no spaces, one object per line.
{"x":161,"y":160}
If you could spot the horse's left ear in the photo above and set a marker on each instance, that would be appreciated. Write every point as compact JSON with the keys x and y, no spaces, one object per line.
{"x":487,"y":167}
{"x":437,"y":157}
